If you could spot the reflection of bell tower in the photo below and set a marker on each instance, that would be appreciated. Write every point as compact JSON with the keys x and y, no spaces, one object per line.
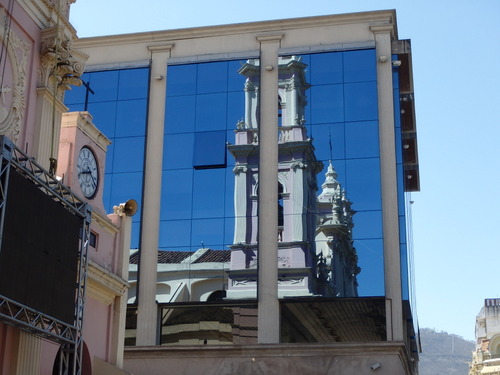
{"x":337,"y":258}
{"x":297,"y":170}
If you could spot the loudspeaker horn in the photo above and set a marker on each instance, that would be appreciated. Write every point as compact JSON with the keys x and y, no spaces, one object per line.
{"x":130,"y":207}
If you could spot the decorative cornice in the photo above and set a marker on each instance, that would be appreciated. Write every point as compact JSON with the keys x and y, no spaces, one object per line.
{"x":104,"y":285}
{"x":277,"y":26}
{"x":46,"y":12}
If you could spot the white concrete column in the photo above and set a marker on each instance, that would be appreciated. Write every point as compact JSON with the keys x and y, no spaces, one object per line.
{"x":392,"y":261}
{"x":267,"y":289}
{"x":120,"y":305}
{"x":147,"y":309}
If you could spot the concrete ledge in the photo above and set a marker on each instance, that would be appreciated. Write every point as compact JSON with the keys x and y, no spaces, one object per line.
{"x":290,"y":359}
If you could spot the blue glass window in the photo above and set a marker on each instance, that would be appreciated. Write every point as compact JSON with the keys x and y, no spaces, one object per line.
{"x":235,"y":81}
{"x":211,"y":112}
{"x":209,"y":149}
{"x":128,"y":155}
{"x":131,"y":117}
{"x":363,"y":183}
{"x":208,"y":233}
{"x":367,"y":225}
{"x":178,"y":151}
{"x":175,"y":234}
{"x":327,"y":104}
{"x":208,"y":193}
{"x":181,"y":80}
{"x":235,"y":108}
{"x":328,"y":141}
{"x":360,"y":66}
{"x":177,"y":194}
{"x":212,"y":77}
{"x":326,"y":68}
{"x":371,"y":262}
{"x":131,"y":84}
{"x":104,"y":85}
{"x":180,"y":114}
{"x":362,"y":139}
{"x":361,"y":101}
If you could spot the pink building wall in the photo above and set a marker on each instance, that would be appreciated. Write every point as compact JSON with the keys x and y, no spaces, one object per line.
{"x":26,"y":41}
{"x":24,"y":114}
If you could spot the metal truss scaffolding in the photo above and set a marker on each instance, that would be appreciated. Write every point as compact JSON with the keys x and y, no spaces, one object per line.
{"x":24,"y":317}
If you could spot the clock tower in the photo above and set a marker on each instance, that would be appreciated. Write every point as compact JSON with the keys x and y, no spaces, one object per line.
{"x":82,"y":157}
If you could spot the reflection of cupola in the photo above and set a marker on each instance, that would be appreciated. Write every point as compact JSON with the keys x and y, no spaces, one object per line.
{"x":338,"y":258}
{"x":333,"y":205}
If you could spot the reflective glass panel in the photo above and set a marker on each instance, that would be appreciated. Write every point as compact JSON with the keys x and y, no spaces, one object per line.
{"x":343,"y":223}
{"x":209,"y":149}
{"x":118,"y":106}
{"x":205,"y":103}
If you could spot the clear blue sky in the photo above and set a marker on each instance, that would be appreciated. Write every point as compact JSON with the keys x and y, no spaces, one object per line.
{"x":456,"y":65}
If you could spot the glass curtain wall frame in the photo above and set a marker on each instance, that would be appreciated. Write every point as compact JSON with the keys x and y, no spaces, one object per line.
{"x":118,"y":104}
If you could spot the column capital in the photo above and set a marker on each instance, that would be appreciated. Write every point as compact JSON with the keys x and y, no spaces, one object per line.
{"x":160,"y":48}
{"x":383,"y":29}
{"x":270,"y":37}
{"x":240,"y":168}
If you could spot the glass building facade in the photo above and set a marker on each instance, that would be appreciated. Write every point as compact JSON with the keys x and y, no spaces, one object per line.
{"x":118,"y":103}
{"x":209,"y":107}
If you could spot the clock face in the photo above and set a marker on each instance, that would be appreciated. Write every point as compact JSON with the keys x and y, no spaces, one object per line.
{"x":88,"y":173}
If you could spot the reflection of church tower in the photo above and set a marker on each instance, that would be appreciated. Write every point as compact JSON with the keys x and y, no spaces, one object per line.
{"x":297,"y":170}
{"x":337,"y":258}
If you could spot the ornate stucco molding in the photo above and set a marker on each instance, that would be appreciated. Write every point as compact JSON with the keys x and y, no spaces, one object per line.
{"x":239,"y":169}
{"x":60,"y":63}
{"x":13,"y":89}
{"x":298,"y":165}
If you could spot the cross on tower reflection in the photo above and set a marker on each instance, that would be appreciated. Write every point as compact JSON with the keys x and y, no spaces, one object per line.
{"x":87,"y":90}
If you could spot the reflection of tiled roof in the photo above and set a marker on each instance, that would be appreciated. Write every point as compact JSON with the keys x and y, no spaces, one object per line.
{"x":214,"y":256}
{"x":172,"y":257}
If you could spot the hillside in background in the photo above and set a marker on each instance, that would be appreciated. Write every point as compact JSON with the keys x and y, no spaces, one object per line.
{"x":444,"y":353}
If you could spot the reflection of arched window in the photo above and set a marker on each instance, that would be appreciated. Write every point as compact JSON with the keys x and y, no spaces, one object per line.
{"x":217,"y":296}
{"x":86,"y":362}
{"x":494,"y":346}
